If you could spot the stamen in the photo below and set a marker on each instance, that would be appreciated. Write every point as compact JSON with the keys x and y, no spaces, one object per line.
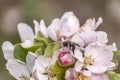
{"x":57,"y":32}
{"x":88,"y":61}
{"x":80,"y":76}
{"x":50,"y":71}
{"x":24,"y":77}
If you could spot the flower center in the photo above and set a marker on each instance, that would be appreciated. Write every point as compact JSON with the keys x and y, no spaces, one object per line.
{"x":88,"y":60}
{"x":57,"y":33}
{"x":80,"y":76}
{"x":50,"y":71}
{"x":24,"y":77}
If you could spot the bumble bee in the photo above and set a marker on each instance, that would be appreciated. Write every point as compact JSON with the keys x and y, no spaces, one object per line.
{"x":69,"y":46}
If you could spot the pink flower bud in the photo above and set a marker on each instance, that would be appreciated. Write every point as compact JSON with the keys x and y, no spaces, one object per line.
{"x":65,"y":58}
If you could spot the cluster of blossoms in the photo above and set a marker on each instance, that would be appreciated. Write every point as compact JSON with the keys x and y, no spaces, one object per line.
{"x":62,"y":51}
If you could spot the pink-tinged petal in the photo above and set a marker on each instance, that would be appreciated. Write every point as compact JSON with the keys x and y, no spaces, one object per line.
{"x":38,"y":76}
{"x":70,"y":74}
{"x":36,"y":27}
{"x":86,"y":73}
{"x":78,"y":66}
{"x":69,"y":24}
{"x":18,"y":69}
{"x":100,"y":20}
{"x":96,"y":68}
{"x":7,"y":49}
{"x":110,"y":66}
{"x":78,"y":39}
{"x":99,"y":53}
{"x":91,"y":25}
{"x":30,"y":59}
{"x":43,"y":29}
{"x":53,"y":29}
{"x":27,"y":43}
{"x":101,"y":37}
{"x":99,"y":77}
{"x":41,"y":63}
{"x":112,"y":47}
{"x":25,"y":32}
{"x":104,"y":56}
{"x":78,"y":55}
{"x":91,"y":50}
{"x":88,"y":26}
{"x":88,"y":37}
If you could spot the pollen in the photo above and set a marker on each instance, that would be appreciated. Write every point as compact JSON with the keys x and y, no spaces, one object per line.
{"x":24,"y":77}
{"x":57,"y":32}
{"x":88,"y":60}
{"x":80,"y":76}
{"x":50,"y":71}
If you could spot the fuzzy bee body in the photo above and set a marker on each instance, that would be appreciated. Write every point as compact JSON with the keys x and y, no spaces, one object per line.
{"x":69,"y":46}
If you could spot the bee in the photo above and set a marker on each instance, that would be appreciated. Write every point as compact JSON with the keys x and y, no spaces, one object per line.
{"x":69,"y":46}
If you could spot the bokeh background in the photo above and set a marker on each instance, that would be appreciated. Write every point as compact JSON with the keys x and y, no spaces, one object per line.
{"x":13,"y":12}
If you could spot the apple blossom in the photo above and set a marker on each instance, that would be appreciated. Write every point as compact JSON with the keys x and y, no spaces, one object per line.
{"x":19,"y":69}
{"x":96,"y":59}
{"x":64,"y":27}
{"x":7,"y":49}
{"x":71,"y":74}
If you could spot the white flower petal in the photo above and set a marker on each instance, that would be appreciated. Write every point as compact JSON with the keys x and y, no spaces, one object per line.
{"x":112,"y":47}
{"x":72,"y":21}
{"x":78,"y":54}
{"x":43,"y":29}
{"x":88,"y":37}
{"x":86,"y":73}
{"x":39,"y":76}
{"x":41,"y":63}
{"x":90,"y":24}
{"x":69,"y":24}
{"x":27,"y":43}
{"x":30,"y":59}
{"x":101,"y":37}
{"x":110,"y":66}
{"x":53,"y":29}
{"x":99,"y":77}
{"x":99,"y":53}
{"x":51,"y":33}
{"x":55,"y":57}
{"x":17,"y":69}
{"x":7,"y":49}
{"x":99,"y":69}
{"x":100,"y":20}
{"x":78,"y":40}
{"x":36,"y":28}
{"x":78,"y":66}
{"x":70,"y":74}
{"x":25,"y":32}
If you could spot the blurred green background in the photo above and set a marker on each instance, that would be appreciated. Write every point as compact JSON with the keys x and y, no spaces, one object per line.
{"x":13,"y":12}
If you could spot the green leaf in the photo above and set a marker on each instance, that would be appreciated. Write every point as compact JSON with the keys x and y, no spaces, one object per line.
{"x":32,"y":48}
{"x":42,"y":43}
{"x":51,"y":48}
{"x":55,"y":78}
{"x":117,"y":77}
{"x":113,"y":75}
{"x":116,"y":63}
{"x":39,"y":51}
{"x":20,"y":53}
{"x":60,"y":70}
{"x":117,"y":53}
{"x":40,"y":38}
